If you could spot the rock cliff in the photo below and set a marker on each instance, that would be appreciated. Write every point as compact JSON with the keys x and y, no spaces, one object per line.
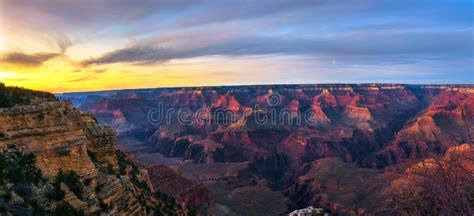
{"x":64,"y":139}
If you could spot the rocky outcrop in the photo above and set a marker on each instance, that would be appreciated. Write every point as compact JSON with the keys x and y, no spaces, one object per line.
{"x":340,"y":188}
{"x":201,"y":151}
{"x":444,"y":124}
{"x":102,"y":141}
{"x":165,"y":179}
{"x":446,"y":179}
{"x":227,"y":102}
{"x":63,"y":138}
{"x":53,"y":131}
{"x":355,"y":113}
{"x":319,"y":117}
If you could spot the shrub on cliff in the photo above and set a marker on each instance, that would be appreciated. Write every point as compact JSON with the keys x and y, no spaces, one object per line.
{"x":71,"y":179}
{"x":439,"y":186}
{"x":123,"y":162}
{"x":4,"y":100}
{"x":65,"y":209}
{"x":19,"y":168}
{"x":19,"y":175}
{"x":55,"y":193}
{"x":11,"y":96}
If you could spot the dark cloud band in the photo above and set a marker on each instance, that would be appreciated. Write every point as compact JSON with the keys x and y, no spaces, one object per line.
{"x":358,"y":45}
{"x":27,"y":59}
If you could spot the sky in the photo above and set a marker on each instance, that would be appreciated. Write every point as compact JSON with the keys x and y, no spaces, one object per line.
{"x":89,"y":45}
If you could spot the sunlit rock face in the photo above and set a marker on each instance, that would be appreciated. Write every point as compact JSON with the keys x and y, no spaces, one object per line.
{"x":63,"y":138}
{"x":54,"y":132}
{"x":278,"y":132}
{"x":445,"y":123}
{"x":361,"y":121}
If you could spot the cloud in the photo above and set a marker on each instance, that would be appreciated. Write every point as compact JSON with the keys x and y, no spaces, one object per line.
{"x":62,"y":41}
{"x":84,"y":78}
{"x":344,"y":38}
{"x":92,"y":11}
{"x":352,"y":45}
{"x":29,"y":60}
{"x":165,"y":22}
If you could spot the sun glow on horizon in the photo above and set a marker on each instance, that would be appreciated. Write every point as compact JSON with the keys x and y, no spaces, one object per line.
{"x":60,"y":74}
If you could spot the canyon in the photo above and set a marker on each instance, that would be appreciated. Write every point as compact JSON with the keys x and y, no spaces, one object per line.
{"x":350,"y":149}
{"x":338,"y":146}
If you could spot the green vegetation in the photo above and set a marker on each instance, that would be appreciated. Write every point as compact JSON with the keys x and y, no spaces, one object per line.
{"x":168,"y":205}
{"x":166,"y":198}
{"x":102,"y":205}
{"x":87,"y":182}
{"x":11,"y":96}
{"x":19,"y":175}
{"x":92,"y":156}
{"x":71,"y":179}
{"x":19,"y":168}
{"x":63,"y":152}
{"x":123,"y":162}
{"x":110,"y":169}
{"x":65,"y":209}
{"x":140,"y":184}
{"x":98,"y":188}
{"x":440,"y":186}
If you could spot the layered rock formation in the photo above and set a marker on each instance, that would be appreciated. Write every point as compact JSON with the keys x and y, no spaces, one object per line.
{"x":447,"y":180}
{"x":165,"y":179}
{"x":447,"y":122}
{"x":283,"y":131}
{"x":53,"y":131}
{"x":63,"y":138}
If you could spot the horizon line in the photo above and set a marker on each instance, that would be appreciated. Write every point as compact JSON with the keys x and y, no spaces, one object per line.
{"x":263,"y":85}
